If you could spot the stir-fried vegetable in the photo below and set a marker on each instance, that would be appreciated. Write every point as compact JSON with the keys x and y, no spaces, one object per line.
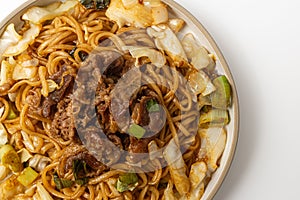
{"x":167,"y":41}
{"x":168,"y":193}
{"x":22,"y":44}
{"x":39,"y":14}
{"x":218,"y":117}
{"x":42,"y":193}
{"x":176,"y":24}
{"x":196,"y":53}
{"x":96,"y":4}
{"x":156,"y":57}
{"x":136,"y":131}
{"x":10,"y":187}
{"x":24,"y":155}
{"x":197,"y":175}
{"x":177,"y":167}
{"x":27,"y":176}
{"x":12,"y":113}
{"x":4,"y":171}
{"x":61,"y":183}
{"x":135,"y":13}
{"x":39,"y":162}
{"x":221,"y":97}
{"x":152,"y":106}
{"x":9,"y":37}
{"x":200,"y":83}
{"x":6,"y":72}
{"x":3,"y":135}
{"x":128,"y":181}
{"x":79,"y":170}
{"x":9,"y":158}
{"x":213,"y":141}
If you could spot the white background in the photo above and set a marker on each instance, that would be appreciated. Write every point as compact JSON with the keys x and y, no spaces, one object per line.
{"x":260,"y":40}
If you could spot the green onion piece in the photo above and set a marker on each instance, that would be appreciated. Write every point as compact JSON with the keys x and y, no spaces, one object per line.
{"x":152,"y":106}
{"x":61,"y":183}
{"x":27,"y":176}
{"x":87,"y":3}
{"x":136,"y":131}
{"x":77,"y":166}
{"x":215,"y":116}
{"x":82,"y":181}
{"x":11,"y":113}
{"x":127,"y":181}
{"x":102,"y":4}
{"x":221,"y":97}
{"x":10,"y":158}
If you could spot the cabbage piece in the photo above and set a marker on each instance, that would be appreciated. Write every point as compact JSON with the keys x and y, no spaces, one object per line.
{"x":24,"y":155}
{"x":129,"y":3}
{"x":38,"y":15}
{"x":160,"y":14}
{"x":213,"y":141}
{"x":166,"y":40}
{"x":42,"y":193}
{"x":21,"y":72}
{"x":176,"y":24}
{"x":39,"y":162}
{"x":156,"y":57}
{"x":200,"y":83}
{"x":168,"y":193}
{"x":197,"y":175}
{"x":137,"y":15}
{"x":4,"y":171}
{"x":22,"y":44}
{"x":6,"y":72}
{"x":151,"y":3}
{"x":3,"y":135}
{"x":11,"y":187}
{"x":198,"y":55}
{"x":154,"y":151}
{"x":9,"y":38}
{"x":177,"y":167}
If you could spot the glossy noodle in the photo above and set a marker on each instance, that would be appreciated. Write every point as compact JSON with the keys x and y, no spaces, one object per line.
{"x":72,"y":82}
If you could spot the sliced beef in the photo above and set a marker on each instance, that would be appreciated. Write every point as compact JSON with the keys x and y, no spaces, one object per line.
{"x":56,"y":96}
{"x":78,"y":152}
{"x":62,"y":125}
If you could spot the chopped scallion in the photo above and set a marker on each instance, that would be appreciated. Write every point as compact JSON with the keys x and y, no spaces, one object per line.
{"x":27,"y":176}
{"x":136,"y":131}
{"x":61,"y":183}
{"x":127,"y":181}
{"x":152,"y":106}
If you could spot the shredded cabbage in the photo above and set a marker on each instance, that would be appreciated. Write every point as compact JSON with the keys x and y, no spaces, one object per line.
{"x":42,"y":192}
{"x":200,"y":83}
{"x":133,"y":13}
{"x":176,"y":24}
{"x":166,"y":40}
{"x":137,"y":15}
{"x":24,"y":155}
{"x":213,"y":141}
{"x":38,"y":15}
{"x":197,"y":175}
{"x":196,"y":53}
{"x":4,"y":171}
{"x":156,"y":57}
{"x":177,"y":167}
{"x":3,"y":135}
{"x":22,"y":44}
{"x":6,"y":72}
{"x":21,"y":72}
{"x":10,"y":37}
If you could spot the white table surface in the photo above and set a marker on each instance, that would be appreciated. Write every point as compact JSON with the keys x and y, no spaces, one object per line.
{"x":260,"y":40}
